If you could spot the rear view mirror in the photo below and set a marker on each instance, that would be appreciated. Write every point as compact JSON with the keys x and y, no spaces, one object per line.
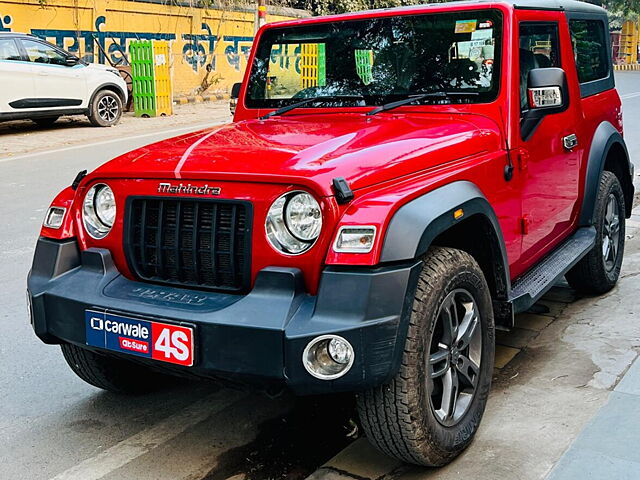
{"x":235,"y":90}
{"x":547,"y":94}
{"x":547,"y":88}
{"x":71,"y":61}
{"x":545,"y":97}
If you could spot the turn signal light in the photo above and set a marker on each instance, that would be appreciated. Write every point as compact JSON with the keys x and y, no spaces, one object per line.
{"x":54,"y":217}
{"x":355,"y":239}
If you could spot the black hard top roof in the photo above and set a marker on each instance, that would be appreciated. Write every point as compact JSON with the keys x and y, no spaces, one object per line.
{"x":563,"y":5}
{"x":568,"y":5}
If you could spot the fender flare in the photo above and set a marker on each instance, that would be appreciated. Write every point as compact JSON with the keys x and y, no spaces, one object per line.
{"x":604,"y":138}
{"x":416,"y":224}
{"x":107,"y":86}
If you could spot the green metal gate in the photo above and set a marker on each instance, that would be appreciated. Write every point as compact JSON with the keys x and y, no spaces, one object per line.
{"x":151,"y":78}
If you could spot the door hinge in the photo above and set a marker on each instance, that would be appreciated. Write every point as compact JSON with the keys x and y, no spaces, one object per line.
{"x":523,"y":160}
{"x":524,"y":224}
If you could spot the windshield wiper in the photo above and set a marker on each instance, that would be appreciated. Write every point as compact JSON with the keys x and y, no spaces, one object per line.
{"x":304,"y":102}
{"x":416,"y":98}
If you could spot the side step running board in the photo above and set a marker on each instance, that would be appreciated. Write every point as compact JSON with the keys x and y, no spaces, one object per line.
{"x":528,"y":289}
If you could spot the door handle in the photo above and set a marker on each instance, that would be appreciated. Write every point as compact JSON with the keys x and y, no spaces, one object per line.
{"x":570,"y":141}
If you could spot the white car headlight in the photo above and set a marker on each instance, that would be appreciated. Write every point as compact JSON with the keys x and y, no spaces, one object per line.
{"x":294,"y":223}
{"x":99,"y":210}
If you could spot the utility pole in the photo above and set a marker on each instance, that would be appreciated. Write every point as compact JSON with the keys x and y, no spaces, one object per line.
{"x":262,"y":13}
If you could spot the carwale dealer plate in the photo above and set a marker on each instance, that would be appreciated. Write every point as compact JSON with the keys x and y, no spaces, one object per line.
{"x":160,"y":341}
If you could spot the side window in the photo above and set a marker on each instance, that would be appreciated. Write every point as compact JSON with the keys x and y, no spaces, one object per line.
{"x":42,"y":53}
{"x":9,"y":50}
{"x":539,"y":48}
{"x":590,"y":49}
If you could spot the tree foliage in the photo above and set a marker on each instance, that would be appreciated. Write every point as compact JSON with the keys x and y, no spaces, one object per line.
{"x":625,"y":7}
{"x":323,"y":7}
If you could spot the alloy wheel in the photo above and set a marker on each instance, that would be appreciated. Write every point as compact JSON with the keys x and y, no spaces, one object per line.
{"x":611,"y":233}
{"x":108,"y":108}
{"x":455,"y":353}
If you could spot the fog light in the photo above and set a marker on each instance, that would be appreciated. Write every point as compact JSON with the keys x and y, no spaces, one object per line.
{"x":328,"y":357}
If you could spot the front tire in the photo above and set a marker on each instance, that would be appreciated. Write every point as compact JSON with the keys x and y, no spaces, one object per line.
{"x":430,"y":411}
{"x":598,"y":271}
{"x":106,"y":109}
{"x":112,"y":374}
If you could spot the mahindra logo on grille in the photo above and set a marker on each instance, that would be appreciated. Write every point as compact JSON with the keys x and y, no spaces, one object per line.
{"x":188,"y":189}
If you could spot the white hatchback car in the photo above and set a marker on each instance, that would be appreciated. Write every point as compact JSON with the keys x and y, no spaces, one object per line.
{"x":42,"y":82}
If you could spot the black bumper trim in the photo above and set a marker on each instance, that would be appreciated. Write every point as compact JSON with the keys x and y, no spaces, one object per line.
{"x":258,"y":337}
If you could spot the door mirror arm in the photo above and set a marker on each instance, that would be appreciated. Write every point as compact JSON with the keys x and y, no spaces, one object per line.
{"x":547,"y":93}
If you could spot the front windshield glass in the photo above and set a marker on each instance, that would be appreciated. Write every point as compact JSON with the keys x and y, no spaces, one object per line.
{"x":380,"y":60}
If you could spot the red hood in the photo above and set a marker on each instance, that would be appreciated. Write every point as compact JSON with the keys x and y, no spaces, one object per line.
{"x":312,"y":149}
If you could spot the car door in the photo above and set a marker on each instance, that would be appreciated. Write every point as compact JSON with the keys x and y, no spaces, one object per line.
{"x":551,"y":170}
{"x":57,"y":84}
{"x":16,"y":77}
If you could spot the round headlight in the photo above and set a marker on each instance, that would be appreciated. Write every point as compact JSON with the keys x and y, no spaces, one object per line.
{"x":303,"y":216}
{"x":99,"y":211}
{"x":294,"y":223}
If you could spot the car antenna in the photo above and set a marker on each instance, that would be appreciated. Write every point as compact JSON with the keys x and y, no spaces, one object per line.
{"x":508,"y":168}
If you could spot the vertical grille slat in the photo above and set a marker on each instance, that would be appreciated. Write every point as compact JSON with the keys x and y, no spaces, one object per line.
{"x":194,"y":242}
{"x":143,"y":236}
{"x":189,"y":242}
{"x":159,"y":235}
{"x":214,"y":229}
{"x":178,"y":241}
{"x":232,"y":241}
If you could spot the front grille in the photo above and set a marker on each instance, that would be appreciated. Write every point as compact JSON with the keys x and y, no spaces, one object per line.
{"x":193,"y":243}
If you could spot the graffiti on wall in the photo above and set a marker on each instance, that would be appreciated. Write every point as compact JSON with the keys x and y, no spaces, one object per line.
{"x":198,"y":50}
{"x":4,"y":23}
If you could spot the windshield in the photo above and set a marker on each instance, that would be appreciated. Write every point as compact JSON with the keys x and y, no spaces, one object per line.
{"x":380,"y":60}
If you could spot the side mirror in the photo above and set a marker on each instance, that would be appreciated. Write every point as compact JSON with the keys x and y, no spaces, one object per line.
{"x":547,"y":93}
{"x":71,"y":61}
{"x":235,"y":90}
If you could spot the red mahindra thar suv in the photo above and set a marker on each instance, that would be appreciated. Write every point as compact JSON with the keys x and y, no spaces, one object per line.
{"x":395,"y":185}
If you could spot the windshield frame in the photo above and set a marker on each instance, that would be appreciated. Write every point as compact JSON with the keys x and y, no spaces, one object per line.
{"x":268,"y":38}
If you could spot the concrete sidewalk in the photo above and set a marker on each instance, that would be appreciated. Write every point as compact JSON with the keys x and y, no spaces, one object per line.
{"x":609,"y":447}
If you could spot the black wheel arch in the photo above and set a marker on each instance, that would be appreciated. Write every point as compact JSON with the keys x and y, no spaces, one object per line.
{"x":429,"y":220}
{"x":107,"y":86}
{"x":608,"y":152}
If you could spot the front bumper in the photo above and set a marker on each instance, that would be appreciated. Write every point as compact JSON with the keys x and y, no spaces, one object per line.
{"x":259,"y":337}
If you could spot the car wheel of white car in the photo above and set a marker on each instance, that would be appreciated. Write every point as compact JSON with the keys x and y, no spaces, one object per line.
{"x":106,"y":109}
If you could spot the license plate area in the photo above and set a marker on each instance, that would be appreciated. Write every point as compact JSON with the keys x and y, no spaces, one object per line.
{"x":164,"y":342}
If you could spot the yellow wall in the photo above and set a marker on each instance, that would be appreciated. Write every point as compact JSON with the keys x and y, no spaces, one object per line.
{"x":198,"y":36}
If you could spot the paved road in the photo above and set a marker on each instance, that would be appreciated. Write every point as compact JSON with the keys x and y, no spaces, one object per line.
{"x":628,"y":84}
{"x":54,"y":426}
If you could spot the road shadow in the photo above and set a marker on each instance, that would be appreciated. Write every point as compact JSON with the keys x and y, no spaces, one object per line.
{"x":27,"y":126}
{"x":293,"y":445}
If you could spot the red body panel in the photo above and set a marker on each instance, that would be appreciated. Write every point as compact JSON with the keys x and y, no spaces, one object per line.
{"x":388,"y":160}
